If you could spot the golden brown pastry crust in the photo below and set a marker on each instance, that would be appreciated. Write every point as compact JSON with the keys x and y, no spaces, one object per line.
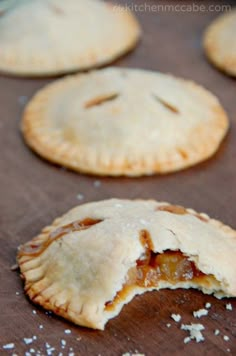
{"x":220,"y":44}
{"x":77,"y":266}
{"x":124,"y":122}
{"x":56,"y":36}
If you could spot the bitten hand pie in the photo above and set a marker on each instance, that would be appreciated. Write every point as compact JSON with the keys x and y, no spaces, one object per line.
{"x":98,"y":256}
{"x":120,"y":121}
{"x":48,"y":37}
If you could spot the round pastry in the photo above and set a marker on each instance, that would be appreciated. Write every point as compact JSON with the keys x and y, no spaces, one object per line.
{"x":49,"y":37}
{"x":220,"y":43}
{"x":98,"y":256}
{"x":124,"y":122}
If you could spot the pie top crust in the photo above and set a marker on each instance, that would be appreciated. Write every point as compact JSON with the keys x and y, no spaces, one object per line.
{"x":82,"y":266}
{"x":120,"y":121}
{"x":45,"y":37}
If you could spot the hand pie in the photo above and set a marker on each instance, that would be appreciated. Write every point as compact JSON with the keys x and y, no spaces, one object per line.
{"x":98,"y":256}
{"x":124,"y":122}
{"x":220,"y":43}
{"x":48,"y":37}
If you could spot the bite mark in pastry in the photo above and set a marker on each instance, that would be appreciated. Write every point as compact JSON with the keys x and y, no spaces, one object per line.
{"x":98,"y":256}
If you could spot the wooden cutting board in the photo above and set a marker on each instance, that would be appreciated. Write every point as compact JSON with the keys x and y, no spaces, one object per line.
{"x":33,"y":192}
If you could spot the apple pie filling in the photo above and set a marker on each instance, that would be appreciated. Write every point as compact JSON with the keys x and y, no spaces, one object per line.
{"x":37,"y":249}
{"x":180,"y":210}
{"x":152,"y":268}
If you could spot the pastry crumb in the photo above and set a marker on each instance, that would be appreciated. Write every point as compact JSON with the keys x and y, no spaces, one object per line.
{"x":229,"y":306}
{"x":216,"y":332}
{"x":208,"y":305}
{"x":22,"y":99}
{"x":176,"y":317}
{"x":80,"y":196}
{"x":97,"y":183}
{"x":168,"y":325}
{"x":14,"y":267}
{"x":195,"y":331}
{"x":187,"y":339}
{"x":9,"y":346}
{"x":67,"y":331}
{"x":34,"y":312}
{"x":50,"y":351}
{"x":132,"y":354}
{"x":199,"y":313}
{"x":41,"y":326}
{"x":28,"y":340}
{"x":226,"y":338}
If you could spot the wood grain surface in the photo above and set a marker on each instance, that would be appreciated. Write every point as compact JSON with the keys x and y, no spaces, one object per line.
{"x":33,"y":192}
